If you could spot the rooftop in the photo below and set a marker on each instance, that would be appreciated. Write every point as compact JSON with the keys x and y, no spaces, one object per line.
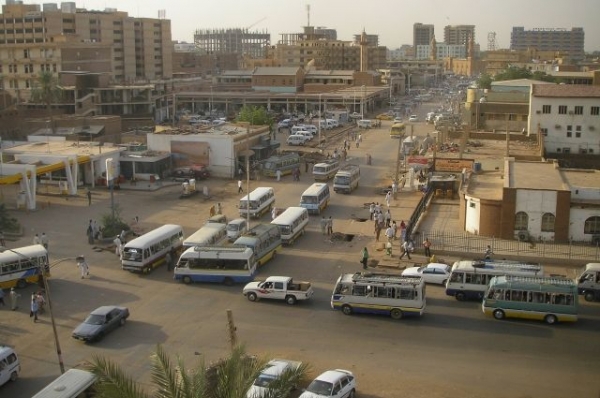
{"x":63,"y":148}
{"x":536,"y":175}
{"x":565,"y":91}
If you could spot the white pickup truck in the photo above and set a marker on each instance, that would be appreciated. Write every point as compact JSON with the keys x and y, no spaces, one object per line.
{"x":279,"y":288}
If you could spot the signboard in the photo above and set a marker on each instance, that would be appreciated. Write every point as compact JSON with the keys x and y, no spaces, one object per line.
{"x":418,"y":161}
{"x":452,"y":165}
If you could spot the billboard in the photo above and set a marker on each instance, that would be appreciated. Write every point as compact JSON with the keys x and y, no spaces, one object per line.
{"x":452,"y":165}
{"x":186,"y":153}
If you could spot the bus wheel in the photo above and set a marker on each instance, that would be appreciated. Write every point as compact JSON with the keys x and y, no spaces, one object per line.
{"x":291,"y":300}
{"x":589,"y":296}
{"x":499,"y":314}
{"x":14,"y":376}
{"x":252,"y":296}
{"x":187,"y":280}
{"x":550,"y":319}
{"x":228,"y":281}
{"x":460,"y":296}
{"x":346,"y":309}
{"x":21,"y":284}
{"x":396,"y":313}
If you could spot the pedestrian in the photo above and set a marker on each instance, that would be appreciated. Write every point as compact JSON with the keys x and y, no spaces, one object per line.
{"x":122,"y":236}
{"x":96,"y":229}
{"x":34,"y":309}
{"x":388,"y":198}
{"x":169,"y":260}
{"x":377,"y":208}
{"x":118,"y":247}
{"x":388,"y":218}
{"x":323,"y":225}
{"x":427,"y":246}
{"x":2,"y":297}
{"x":278,"y":174}
{"x":380,"y":220}
{"x":394,"y":187}
{"x":377,"y":232}
{"x":329,"y":226}
{"x":389,"y":234}
{"x":83,"y":266}
{"x":357,"y":142}
{"x":44,"y":240}
{"x":240,"y":172}
{"x":405,"y":250}
{"x":212,"y":211}
{"x":2,"y":242}
{"x":219,"y":209}
{"x":371,"y":211}
{"x":395,"y":227}
{"x":365,"y":257}
{"x":14,"y":299}
{"x":36,"y":240}
{"x":89,"y":196}
{"x":360,"y":138}
{"x":41,"y":302}
{"x":345,"y":144}
{"x":488,"y":253}
{"x":240,"y":190}
{"x":402,"y":225}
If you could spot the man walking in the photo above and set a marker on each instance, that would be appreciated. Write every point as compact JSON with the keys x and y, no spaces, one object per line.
{"x":83,"y":266}
{"x":388,"y":198}
{"x":371,"y":210}
{"x":405,"y":250}
{"x":427,"y":246}
{"x":240,"y":189}
{"x":329,"y":226}
{"x":118,"y":247}
{"x":36,"y":240}
{"x":365,"y":257}
{"x":34,"y":308}
{"x":89,"y":196}
{"x":389,"y":234}
{"x":14,"y":299}
{"x":169,"y":260}
{"x":278,"y":173}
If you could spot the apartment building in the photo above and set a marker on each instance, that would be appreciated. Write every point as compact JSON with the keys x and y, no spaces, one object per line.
{"x":422,"y":34}
{"x":561,"y":40}
{"x":459,"y":34}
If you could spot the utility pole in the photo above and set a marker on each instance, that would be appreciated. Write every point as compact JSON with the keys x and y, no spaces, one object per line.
{"x":397,"y":176}
{"x":231,"y":330}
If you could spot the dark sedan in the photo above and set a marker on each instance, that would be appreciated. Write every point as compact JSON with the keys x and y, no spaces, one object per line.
{"x":100,"y":322}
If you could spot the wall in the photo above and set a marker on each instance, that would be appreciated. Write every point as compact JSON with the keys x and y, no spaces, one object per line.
{"x":578,"y":217}
{"x":535,"y":203}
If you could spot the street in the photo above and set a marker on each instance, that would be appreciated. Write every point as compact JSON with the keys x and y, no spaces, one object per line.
{"x":452,"y":351}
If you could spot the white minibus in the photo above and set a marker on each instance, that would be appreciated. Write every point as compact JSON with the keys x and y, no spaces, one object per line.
{"x":325,"y":170}
{"x":225,"y":265}
{"x":296,"y":139}
{"x":74,"y":383}
{"x":10,"y":366}
{"x":23,"y":265}
{"x":291,"y":223}
{"x":148,"y":251}
{"x":347,"y":178}
{"x":316,"y":198}
{"x":257,"y":202}
{"x":211,"y":234}
{"x":236,"y":228}
{"x":264,"y":240}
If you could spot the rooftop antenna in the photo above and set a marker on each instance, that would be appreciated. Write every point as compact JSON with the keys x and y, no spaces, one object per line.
{"x":308,"y":14}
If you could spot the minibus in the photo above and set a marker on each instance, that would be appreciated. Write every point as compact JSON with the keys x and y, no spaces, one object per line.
{"x":291,"y":223}
{"x":148,"y":251}
{"x":227,"y":265}
{"x":257,"y":202}
{"x":264,"y":240}
{"x":211,"y":234}
{"x":347,"y":178}
{"x":316,"y":198}
{"x":325,"y":170}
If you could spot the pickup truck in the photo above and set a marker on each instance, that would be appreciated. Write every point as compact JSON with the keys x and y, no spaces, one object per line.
{"x":278,"y":288}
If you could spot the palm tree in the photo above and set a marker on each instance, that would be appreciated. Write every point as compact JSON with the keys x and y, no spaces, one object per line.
{"x":228,"y":378}
{"x":46,"y":90}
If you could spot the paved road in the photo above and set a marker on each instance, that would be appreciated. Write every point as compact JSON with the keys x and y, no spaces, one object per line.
{"x":453,"y":351}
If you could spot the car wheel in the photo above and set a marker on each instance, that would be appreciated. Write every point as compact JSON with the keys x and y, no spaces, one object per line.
{"x":396,"y":313}
{"x":352,"y":393}
{"x":346,"y":309}
{"x":499,"y":314}
{"x":122,"y":322}
{"x":291,"y":300}
{"x":14,"y":376}
{"x":460,"y":296}
{"x":252,"y":296}
{"x":187,"y":280}
{"x":550,"y":319}
{"x":589,"y":296}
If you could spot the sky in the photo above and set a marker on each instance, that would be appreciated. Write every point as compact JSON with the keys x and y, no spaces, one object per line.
{"x":392,"y":20}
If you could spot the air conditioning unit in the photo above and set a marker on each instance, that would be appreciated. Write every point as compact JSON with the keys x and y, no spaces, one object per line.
{"x":523,"y":236}
{"x":596,"y":240}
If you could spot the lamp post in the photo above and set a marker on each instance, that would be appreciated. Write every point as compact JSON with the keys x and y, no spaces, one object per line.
{"x":362,"y":102}
{"x":49,"y":299}
{"x":210,"y":102}
{"x":110,"y":180}
{"x":319,"y":144}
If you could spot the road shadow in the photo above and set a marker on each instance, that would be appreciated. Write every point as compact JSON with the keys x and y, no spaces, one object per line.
{"x":133,"y":333}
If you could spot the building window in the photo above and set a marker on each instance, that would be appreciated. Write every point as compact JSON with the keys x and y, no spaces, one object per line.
{"x":562,"y":109}
{"x":595,"y":110}
{"x":592,"y":225}
{"x":547,"y":109}
{"x":521,"y":221}
{"x":579,"y":110}
{"x":548,"y":220}
{"x":544,"y":132}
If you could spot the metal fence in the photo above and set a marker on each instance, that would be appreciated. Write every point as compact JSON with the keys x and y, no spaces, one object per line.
{"x":463,"y":242}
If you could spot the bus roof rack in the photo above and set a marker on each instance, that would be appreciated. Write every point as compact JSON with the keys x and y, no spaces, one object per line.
{"x":506,"y":264}
{"x":541,"y":279}
{"x":384,"y":278}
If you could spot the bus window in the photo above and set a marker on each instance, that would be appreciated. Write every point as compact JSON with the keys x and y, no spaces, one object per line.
{"x":457,"y":277}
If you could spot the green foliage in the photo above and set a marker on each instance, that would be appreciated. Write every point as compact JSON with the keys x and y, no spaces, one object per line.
{"x":254,"y":115}
{"x":7,"y":222}
{"x":45,"y":89}
{"x":513,"y":72}
{"x":484,"y":81}
{"x":112,"y":226}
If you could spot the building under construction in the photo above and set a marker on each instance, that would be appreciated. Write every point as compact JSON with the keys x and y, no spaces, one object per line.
{"x":233,"y":41}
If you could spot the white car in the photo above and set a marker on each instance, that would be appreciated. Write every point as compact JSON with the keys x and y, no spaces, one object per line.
{"x":296,"y":139}
{"x":397,"y":120}
{"x":336,"y":383}
{"x":272,"y":371}
{"x":355,"y":115}
{"x":413,"y":118}
{"x":432,"y":273}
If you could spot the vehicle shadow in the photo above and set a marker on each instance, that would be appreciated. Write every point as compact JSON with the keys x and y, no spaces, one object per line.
{"x":133,"y":333}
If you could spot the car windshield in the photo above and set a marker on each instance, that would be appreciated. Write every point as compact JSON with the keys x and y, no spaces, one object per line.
{"x":264,"y":380}
{"x":320,"y":387}
{"x":95,"y":319}
{"x":233,"y":227}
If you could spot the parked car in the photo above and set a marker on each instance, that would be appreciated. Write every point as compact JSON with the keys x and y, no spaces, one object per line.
{"x":100,"y":322}
{"x":296,"y":139}
{"x":355,"y":115}
{"x":336,"y":383}
{"x":272,"y":371}
{"x":198,"y":172}
{"x":397,"y":120}
{"x":413,"y":118}
{"x":10,"y":366}
{"x":432,"y":273}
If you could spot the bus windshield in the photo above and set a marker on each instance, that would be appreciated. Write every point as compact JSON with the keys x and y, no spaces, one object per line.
{"x":309,"y":200}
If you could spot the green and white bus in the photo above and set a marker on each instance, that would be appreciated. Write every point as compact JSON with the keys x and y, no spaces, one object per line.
{"x":544,"y":299}
{"x":264,"y":240}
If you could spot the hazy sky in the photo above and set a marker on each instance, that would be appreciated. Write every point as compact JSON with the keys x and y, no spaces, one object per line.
{"x":392,"y":20}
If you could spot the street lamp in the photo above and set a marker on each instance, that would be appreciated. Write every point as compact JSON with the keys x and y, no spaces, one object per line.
{"x":110,"y":180}
{"x":43,"y":273}
{"x":362,"y":102}
{"x":210,"y":102}
{"x":319,"y":144}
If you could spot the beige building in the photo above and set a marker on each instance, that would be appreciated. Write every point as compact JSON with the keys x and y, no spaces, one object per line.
{"x":459,"y":34}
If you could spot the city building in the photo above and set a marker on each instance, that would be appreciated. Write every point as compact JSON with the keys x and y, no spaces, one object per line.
{"x":238,"y":41}
{"x":422,"y":34}
{"x":459,"y":34}
{"x":571,"y":42}
{"x":443,"y":50}
{"x":567,"y":119}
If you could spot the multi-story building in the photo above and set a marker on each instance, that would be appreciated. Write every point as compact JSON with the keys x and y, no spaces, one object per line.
{"x":459,"y":34}
{"x":422,"y":34}
{"x":233,"y":41}
{"x":567,"y":117}
{"x":443,"y":51}
{"x":561,"y":40}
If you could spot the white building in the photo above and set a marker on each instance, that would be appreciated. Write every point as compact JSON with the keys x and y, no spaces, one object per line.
{"x":567,"y":116}
{"x":443,"y":51}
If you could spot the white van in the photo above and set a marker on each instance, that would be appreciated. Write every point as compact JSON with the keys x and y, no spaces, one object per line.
{"x":364,"y":124}
{"x":332,"y":122}
{"x":296,"y":139}
{"x":309,"y":136}
{"x":311,"y":128}
{"x":10,"y":367}
{"x":236,"y":228}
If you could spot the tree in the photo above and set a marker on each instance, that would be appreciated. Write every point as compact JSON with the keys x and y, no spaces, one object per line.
{"x":231,"y":377}
{"x":46,"y":90}
{"x":113,"y":225}
{"x":512,"y":73}
{"x":255,"y":115}
{"x":484,"y":81}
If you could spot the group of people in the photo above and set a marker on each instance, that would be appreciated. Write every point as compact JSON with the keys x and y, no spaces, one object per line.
{"x":40,"y":240}
{"x":326,"y":225}
{"x":93,"y":231}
